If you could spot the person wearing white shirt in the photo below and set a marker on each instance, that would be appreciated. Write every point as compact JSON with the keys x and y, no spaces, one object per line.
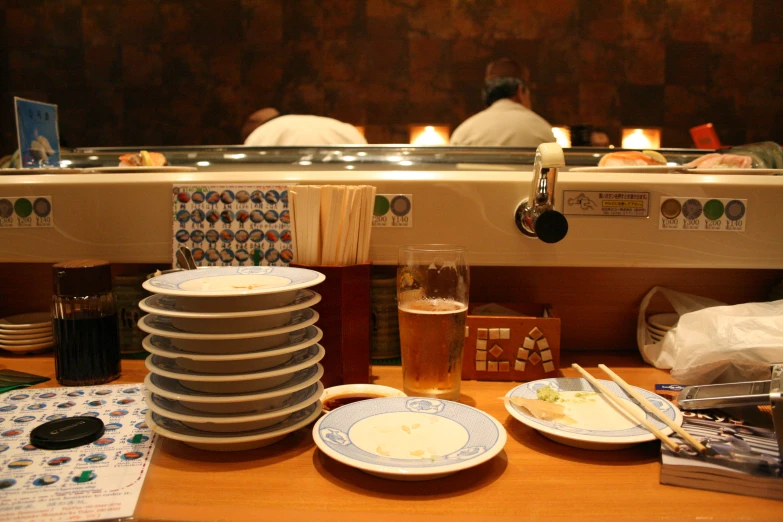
{"x":268,"y":128}
{"x":508,"y":120}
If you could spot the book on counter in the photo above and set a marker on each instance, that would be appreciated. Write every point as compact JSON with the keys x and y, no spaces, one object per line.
{"x":742,"y":451}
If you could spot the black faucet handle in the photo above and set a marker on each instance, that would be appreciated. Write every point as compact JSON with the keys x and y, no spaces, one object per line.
{"x":551,"y":226}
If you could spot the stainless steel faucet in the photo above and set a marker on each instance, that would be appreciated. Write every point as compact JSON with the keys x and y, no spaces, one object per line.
{"x":536,"y":215}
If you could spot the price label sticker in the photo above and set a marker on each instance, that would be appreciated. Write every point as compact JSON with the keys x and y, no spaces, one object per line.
{"x":393,"y":211}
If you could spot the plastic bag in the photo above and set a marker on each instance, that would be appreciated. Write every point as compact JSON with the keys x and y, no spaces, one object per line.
{"x":713,"y":342}
{"x":655,"y":353}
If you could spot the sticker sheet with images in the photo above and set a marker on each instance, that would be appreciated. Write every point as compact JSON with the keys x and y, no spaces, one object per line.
{"x":233,"y":225}
{"x":96,"y":481}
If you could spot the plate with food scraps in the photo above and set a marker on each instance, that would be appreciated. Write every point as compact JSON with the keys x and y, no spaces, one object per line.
{"x":409,"y":438}
{"x":571,"y":412}
{"x":231,"y":281}
{"x":240,"y":441}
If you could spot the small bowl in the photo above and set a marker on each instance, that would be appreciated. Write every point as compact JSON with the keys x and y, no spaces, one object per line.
{"x":337,"y":396}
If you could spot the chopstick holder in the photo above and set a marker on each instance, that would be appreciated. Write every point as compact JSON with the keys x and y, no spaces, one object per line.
{"x":627,"y":407}
{"x":651,"y":408}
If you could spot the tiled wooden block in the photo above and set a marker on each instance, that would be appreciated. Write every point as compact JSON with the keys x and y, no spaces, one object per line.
{"x":542,"y":343}
{"x":546,"y":355}
{"x":549,"y":366}
{"x":509,"y":345}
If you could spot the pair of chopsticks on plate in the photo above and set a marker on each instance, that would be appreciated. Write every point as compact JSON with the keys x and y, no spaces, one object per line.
{"x":644,"y":403}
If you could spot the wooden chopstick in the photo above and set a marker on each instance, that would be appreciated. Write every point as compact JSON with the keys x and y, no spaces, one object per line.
{"x":651,"y":408}
{"x":627,"y":407}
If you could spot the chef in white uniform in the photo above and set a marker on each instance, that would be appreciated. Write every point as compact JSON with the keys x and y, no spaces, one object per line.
{"x":508,"y":120}
{"x":268,"y":128}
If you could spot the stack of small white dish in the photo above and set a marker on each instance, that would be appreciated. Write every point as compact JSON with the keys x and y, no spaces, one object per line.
{"x":659,"y":324}
{"x":235,"y":355}
{"x":26,"y":333}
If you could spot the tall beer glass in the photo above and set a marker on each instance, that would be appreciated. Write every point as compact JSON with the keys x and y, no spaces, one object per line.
{"x":432,"y":302}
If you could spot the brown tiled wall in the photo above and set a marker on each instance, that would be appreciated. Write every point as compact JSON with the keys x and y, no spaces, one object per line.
{"x":175,"y":72}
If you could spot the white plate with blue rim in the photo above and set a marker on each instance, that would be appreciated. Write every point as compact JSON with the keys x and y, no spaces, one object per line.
{"x":591,"y":421}
{"x":236,"y":382}
{"x":159,"y":325}
{"x":409,"y":438}
{"x":235,"y":403}
{"x":234,"y":422}
{"x":168,"y":306}
{"x":245,"y":440}
{"x":231,"y":363}
{"x":164,"y":347}
{"x":233,"y":281}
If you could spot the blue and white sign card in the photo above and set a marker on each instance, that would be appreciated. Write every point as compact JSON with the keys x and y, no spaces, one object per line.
{"x":37,"y":130}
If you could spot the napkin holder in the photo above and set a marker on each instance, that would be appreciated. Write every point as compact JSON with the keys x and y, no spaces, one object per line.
{"x":517,"y":342}
{"x":344,"y":313}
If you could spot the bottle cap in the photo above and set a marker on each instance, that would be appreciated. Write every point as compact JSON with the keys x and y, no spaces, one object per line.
{"x":69,"y":432}
{"x":81,"y":277}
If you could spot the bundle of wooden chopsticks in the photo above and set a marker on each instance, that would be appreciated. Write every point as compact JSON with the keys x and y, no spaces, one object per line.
{"x":645,"y":404}
{"x":332,"y":223}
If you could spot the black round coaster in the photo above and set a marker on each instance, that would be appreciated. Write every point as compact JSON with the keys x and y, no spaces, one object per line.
{"x":69,"y":432}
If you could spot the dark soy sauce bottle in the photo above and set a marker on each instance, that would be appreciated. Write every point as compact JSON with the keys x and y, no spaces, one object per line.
{"x":84,"y":317}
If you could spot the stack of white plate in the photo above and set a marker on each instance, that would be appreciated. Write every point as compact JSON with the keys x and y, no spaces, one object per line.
{"x":26,"y":333}
{"x":235,"y":354}
{"x":659,"y":324}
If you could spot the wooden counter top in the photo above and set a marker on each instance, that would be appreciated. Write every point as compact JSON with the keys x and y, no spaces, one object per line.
{"x":533,"y":478}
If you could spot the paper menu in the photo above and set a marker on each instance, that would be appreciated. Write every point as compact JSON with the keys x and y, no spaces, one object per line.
{"x":97,"y":481}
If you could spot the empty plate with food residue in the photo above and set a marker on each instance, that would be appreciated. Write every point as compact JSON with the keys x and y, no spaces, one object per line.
{"x":409,"y":438}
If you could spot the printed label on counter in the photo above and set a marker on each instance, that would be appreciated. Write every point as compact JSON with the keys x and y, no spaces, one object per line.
{"x":711,"y":214}
{"x":606,"y":203}
{"x":393,"y":210}
{"x":26,"y":212}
